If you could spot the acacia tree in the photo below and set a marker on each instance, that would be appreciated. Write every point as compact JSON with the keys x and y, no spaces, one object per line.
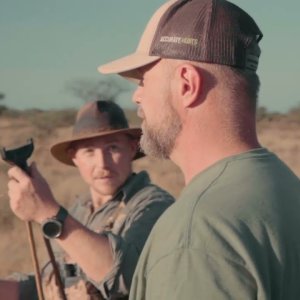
{"x":108,"y":88}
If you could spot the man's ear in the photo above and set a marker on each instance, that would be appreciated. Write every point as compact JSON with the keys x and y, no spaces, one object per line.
{"x":190,"y":83}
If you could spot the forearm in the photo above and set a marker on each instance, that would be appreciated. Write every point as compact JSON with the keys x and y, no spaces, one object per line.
{"x":9,"y":290}
{"x":32,"y":200}
{"x":91,"y":251}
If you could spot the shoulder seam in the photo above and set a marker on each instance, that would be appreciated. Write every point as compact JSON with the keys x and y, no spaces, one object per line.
{"x":188,"y":238}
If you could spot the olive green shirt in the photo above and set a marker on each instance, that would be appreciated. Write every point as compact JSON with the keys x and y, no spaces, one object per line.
{"x":234,"y":233}
{"x":127,"y":220}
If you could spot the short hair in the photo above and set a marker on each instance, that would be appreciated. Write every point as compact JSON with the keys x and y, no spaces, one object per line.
{"x":238,"y":82}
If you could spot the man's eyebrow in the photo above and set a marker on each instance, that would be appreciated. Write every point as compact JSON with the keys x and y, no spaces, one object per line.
{"x":140,"y":72}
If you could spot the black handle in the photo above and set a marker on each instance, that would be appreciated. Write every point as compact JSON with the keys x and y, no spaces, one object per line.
{"x":18,"y":156}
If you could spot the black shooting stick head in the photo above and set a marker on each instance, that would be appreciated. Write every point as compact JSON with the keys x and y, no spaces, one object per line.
{"x":18,"y":156}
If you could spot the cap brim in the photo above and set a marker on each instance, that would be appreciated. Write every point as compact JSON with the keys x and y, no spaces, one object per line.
{"x":60,"y":150}
{"x":127,"y":66}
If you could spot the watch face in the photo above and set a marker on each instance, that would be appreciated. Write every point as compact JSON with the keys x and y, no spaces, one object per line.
{"x":52,"y":228}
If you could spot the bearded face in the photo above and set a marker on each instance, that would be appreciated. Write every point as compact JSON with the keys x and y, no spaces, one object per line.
{"x":158,"y":139}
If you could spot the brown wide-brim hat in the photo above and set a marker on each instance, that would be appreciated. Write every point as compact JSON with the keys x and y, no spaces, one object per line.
{"x":96,"y":119}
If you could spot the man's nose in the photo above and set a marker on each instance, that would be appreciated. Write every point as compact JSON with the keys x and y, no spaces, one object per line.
{"x":102,"y":158}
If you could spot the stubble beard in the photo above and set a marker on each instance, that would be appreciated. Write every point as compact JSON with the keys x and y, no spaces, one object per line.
{"x":159,"y":140}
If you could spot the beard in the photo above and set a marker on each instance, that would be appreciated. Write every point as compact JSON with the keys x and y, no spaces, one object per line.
{"x":159,"y":140}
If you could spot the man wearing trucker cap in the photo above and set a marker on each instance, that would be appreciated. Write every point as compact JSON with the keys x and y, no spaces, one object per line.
{"x":234,"y":231}
{"x":101,"y":237}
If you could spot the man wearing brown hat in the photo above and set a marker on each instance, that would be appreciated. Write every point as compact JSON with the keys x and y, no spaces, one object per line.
{"x":101,"y":237}
{"x":234,"y":231}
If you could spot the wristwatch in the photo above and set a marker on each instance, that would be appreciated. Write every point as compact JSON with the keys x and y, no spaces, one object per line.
{"x":52,"y":228}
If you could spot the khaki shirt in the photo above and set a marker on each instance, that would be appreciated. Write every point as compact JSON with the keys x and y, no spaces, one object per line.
{"x":127,"y":220}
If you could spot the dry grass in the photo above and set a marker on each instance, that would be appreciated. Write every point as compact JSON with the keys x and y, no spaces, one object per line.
{"x":281,"y":135}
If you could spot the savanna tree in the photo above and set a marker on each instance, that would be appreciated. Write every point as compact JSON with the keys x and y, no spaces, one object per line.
{"x":108,"y":88}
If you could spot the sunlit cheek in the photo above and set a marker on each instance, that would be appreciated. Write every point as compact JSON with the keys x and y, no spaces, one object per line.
{"x":91,"y":162}
{"x":86,"y":175}
{"x":86,"y":167}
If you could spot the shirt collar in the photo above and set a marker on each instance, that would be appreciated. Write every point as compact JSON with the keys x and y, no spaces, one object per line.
{"x":132,"y":185}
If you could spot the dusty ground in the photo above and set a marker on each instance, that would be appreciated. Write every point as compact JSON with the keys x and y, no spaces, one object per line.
{"x":281,"y":136}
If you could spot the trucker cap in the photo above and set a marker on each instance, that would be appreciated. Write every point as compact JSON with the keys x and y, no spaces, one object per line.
{"x":211,"y":31}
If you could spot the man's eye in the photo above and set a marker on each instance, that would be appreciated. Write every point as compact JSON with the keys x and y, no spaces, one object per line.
{"x":88,"y":150}
{"x":141,"y":82}
{"x":114,"y":148}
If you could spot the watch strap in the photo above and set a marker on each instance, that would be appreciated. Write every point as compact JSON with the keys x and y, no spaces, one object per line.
{"x":53,"y":227}
{"x":61,"y":214}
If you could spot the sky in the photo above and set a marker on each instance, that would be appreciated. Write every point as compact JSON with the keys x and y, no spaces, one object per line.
{"x":47,"y":44}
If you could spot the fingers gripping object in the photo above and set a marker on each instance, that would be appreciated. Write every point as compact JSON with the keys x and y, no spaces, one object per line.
{"x":19,"y":156}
